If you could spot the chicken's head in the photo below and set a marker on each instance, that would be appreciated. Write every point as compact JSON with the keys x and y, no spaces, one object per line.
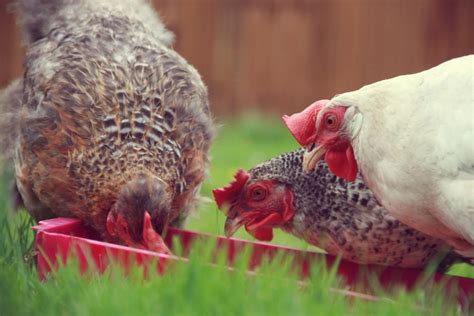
{"x":323,"y":131}
{"x":140,"y":214}
{"x":259,"y":205}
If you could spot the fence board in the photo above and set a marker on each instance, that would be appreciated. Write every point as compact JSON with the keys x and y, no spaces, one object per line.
{"x":279,"y":55}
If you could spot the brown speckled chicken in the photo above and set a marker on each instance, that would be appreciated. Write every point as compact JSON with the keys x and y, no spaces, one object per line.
{"x":108,"y":124}
{"x":326,"y":211}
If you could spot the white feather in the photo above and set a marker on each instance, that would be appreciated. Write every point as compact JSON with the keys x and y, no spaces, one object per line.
{"x":415,"y":147}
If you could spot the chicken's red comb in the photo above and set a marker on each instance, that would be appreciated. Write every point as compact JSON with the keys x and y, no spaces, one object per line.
{"x":302,"y":124}
{"x":230,"y":191}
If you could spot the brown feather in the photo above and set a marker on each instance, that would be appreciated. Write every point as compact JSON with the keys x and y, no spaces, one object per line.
{"x":106,"y":106}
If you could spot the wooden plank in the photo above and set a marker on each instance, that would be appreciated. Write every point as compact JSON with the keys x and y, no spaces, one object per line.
{"x":280,"y":55}
{"x":11,"y":51}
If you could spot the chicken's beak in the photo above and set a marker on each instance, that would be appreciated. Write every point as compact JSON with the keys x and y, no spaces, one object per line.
{"x":232,"y":225}
{"x":312,"y":156}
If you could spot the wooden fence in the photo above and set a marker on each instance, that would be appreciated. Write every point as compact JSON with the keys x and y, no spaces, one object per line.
{"x":279,"y":55}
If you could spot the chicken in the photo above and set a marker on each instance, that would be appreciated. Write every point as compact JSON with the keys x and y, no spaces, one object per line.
{"x":342,"y":218}
{"x":411,"y":137}
{"x":108,"y":124}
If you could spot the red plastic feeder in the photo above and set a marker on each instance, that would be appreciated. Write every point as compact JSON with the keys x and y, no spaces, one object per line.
{"x":59,"y":238}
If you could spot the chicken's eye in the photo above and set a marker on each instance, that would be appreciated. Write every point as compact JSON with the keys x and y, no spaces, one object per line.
{"x":331,"y":121}
{"x":258,"y":194}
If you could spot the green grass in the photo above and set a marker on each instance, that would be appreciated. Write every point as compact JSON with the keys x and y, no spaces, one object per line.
{"x":194,"y":288}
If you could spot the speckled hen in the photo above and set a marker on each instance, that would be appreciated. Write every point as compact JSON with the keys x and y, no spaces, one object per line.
{"x":108,"y":124}
{"x":326,"y":211}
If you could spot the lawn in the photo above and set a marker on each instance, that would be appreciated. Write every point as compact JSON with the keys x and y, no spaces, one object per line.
{"x":194,"y":288}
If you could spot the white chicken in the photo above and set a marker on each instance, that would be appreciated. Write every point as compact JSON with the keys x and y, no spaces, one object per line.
{"x":412,"y":137}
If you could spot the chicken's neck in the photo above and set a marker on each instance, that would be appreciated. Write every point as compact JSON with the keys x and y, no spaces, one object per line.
{"x":320,"y":198}
{"x":382,"y":145}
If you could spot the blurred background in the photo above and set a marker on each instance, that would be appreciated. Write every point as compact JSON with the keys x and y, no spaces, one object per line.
{"x":278,"y":56}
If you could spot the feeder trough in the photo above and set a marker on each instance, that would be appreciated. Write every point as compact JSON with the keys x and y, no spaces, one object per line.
{"x":62,"y":238}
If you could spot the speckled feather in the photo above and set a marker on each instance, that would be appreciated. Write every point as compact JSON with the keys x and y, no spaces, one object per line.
{"x":345,"y":218}
{"x":107,"y":108}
